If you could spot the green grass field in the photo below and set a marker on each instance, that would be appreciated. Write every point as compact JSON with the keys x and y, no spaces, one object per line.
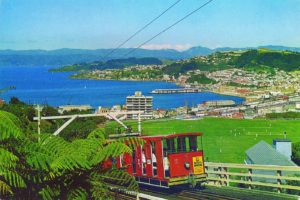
{"x":224,"y":140}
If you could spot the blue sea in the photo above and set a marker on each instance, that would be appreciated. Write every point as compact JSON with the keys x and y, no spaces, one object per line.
{"x":35,"y":85}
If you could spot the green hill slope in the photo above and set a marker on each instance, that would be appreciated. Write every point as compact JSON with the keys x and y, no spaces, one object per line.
{"x":261,"y":59}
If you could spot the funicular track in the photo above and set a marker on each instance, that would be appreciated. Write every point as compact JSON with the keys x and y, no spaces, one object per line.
{"x":198,"y":194}
{"x":183,"y":193}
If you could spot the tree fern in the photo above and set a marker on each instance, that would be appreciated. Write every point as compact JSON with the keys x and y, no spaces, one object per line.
{"x":120,"y":178}
{"x":98,"y":133}
{"x":48,"y":193}
{"x":77,"y":194}
{"x":104,"y":182}
{"x":5,"y":188}
{"x":12,"y":178}
{"x":9,"y":126}
{"x":111,"y":150}
{"x":7,"y":159}
{"x":47,"y":168}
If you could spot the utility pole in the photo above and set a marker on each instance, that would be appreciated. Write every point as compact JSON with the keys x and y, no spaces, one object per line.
{"x":39,"y":122}
{"x":139,"y":124}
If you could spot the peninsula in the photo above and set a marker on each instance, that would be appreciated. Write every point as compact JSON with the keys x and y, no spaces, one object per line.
{"x":252,"y":74}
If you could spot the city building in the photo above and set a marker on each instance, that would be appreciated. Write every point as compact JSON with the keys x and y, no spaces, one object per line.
{"x":102,"y":110}
{"x":139,"y":102}
{"x":219,"y":103}
{"x":67,"y":108}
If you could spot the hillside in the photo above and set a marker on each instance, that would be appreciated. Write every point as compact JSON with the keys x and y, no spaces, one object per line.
{"x":261,"y":59}
{"x":224,"y":140}
{"x":284,"y":60}
{"x":114,"y":63}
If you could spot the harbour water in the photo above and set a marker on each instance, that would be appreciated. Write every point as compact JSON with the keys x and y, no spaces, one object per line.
{"x":37,"y":85}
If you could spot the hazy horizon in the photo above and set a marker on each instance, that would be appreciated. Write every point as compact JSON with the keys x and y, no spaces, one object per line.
{"x":274,"y":45}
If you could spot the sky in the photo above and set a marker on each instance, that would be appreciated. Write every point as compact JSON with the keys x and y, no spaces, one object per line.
{"x":94,"y":24}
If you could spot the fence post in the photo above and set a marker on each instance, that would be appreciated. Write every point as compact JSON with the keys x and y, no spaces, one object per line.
{"x":279,"y":174}
{"x":250,"y":178}
{"x":226,"y":176}
{"x":220,"y":175}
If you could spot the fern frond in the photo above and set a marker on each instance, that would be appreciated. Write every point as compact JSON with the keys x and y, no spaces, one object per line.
{"x":39,"y":161}
{"x":78,"y":194}
{"x":69,"y":162}
{"x":100,"y":190}
{"x":56,"y":145}
{"x":98,"y":133}
{"x":111,"y":150}
{"x":37,"y":156}
{"x":49,"y":193}
{"x":9,"y":126}
{"x":4,"y":188}
{"x":7,"y":159}
{"x":87,"y":147}
{"x":120,"y":178}
{"x":12,"y":178}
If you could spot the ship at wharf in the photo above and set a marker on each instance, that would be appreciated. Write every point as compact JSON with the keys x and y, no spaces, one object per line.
{"x":175,"y":91}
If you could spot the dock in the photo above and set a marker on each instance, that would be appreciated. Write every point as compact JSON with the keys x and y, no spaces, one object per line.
{"x":175,"y":91}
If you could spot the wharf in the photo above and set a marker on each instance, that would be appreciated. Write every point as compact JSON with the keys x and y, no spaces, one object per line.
{"x":174,"y":91}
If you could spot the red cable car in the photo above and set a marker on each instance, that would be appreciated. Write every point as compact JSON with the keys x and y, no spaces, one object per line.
{"x":167,"y":160}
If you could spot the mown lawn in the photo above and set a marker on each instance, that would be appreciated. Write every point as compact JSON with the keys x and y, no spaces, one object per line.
{"x":224,"y":140}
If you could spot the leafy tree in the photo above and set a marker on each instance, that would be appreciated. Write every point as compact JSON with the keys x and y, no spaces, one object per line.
{"x":80,"y":128}
{"x":15,"y":100}
{"x":49,"y":111}
{"x":296,"y":152}
{"x":201,"y":79}
{"x":24,"y":112}
{"x":52,"y":168}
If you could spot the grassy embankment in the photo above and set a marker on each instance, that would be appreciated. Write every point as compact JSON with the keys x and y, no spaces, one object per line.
{"x":224,"y":140}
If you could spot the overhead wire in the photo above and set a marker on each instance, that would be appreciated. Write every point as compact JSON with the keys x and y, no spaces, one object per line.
{"x":172,"y":25}
{"x":140,"y":30}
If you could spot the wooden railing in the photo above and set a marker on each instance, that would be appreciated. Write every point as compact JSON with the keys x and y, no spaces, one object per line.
{"x":274,"y":176}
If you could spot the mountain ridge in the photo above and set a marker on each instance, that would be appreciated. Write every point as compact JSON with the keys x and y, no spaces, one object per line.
{"x":67,"y":56}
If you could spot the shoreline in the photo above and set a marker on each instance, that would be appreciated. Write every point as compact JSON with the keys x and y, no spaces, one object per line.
{"x":175,"y":83}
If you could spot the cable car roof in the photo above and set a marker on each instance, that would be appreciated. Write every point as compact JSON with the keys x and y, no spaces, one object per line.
{"x":173,"y":135}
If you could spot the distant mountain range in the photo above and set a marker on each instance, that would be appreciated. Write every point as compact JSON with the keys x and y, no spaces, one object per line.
{"x":115,"y":63}
{"x":71,"y":56}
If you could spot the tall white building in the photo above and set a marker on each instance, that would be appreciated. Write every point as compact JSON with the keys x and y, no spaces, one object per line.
{"x":139,"y":102}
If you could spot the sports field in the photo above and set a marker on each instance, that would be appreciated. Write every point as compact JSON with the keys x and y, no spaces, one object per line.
{"x":224,"y":140}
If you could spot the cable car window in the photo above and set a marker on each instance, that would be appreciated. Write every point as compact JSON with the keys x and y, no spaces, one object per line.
{"x":181,"y":144}
{"x":164,"y":145}
{"x":200,"y":147}
{"x":193,"y":143}
{"x":175,"y":145}
{"x":187,"y":144}
{"x":133,"y":162}
{"x":170,"y":145}
{"x":153,"y":158}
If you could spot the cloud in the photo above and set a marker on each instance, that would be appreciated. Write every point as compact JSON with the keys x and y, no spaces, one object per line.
{"x":178,"y":47}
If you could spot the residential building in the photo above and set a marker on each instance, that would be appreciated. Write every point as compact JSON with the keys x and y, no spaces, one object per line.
{"x":66,"y":108}
{"x":263,"y":153}
{"x":102,"y":110}
{"x":219,"y":103}
{"x":139,"y":102}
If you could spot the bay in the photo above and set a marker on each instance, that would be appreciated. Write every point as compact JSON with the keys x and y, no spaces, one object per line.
{"x":35,"y":85}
